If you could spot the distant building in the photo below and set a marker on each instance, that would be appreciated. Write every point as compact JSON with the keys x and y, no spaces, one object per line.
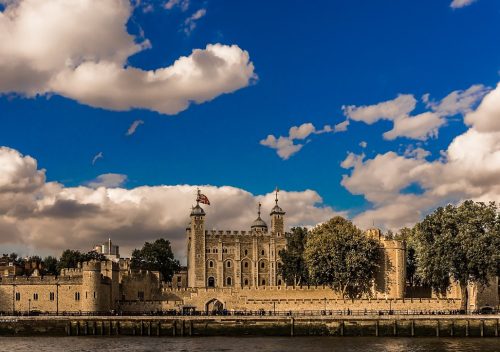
{"x":109,"y":250}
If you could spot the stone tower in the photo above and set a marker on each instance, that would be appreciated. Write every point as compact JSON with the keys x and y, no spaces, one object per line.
{"x":277,"y":219}
{"x":196,"y":247}
{"x":91,"y":294}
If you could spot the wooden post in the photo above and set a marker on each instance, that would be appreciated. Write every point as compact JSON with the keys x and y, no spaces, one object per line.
{"x":467,"y":326}
{"x":376,"y":328}
{"x":86,"y":328}
{"x":78,"y":328}
{"x":341,"y":328}
{"x":395,"y":328}
{"x":481,"y":327}
{"x":496,"y":328}
{"x":102,"y":327}
{"x":110,"y":331}
{"x":182,"y":328}
{"x":133,"y":329}
{"x":174,"y":328}
{"x":190,"y":328}
{"x":118,"y":328}
{"x":412,"y":328}
{"x":292,"y":326}
{"x":149,"y":328}
{"x":437,"y":328}
{"x":452,"y":328}
{"x":142,"y":328}
{"x":158,"y":328}
{"x":68,"y":329}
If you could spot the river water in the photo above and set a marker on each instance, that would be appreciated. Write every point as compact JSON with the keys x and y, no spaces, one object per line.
{"x":246,"y":344}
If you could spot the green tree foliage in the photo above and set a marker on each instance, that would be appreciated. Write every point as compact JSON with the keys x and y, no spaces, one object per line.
{"x":17,"y":260}
{"x":407,"y":235}
{"x":293,"y":268}
{"x":339,"y":255}
{"x":70,"y":258}
{"x":458,"y":243}
{"x":50,"y":266}
{"x":156,"y":256}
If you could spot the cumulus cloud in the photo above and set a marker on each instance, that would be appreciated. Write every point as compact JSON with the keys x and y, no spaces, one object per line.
{"x":363,"y":144}
{"x":456,"y":4}
{"x":108,"y":180}
{"x":191,"y":22}
{"x":133,"y":127}
{"x":469,"y":169}
{"x":50,"y":217}
{"x":286,"y":147}
{"x":96,"y":157}
{"x":44,"y":49}
{"x":421,"y":126}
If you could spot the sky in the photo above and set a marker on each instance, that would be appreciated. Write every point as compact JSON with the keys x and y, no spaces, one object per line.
{"x":113,"y":112}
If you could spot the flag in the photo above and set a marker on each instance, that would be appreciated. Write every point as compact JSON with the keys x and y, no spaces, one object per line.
{"x":203,"y":199}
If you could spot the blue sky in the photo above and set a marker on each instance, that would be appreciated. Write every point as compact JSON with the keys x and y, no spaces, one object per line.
{"x":310,"y":59}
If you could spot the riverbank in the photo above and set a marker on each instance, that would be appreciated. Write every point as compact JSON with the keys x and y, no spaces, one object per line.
{"x":382,"y":326}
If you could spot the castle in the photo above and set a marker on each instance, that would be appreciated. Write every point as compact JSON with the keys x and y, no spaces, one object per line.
{"x":233,"y":270}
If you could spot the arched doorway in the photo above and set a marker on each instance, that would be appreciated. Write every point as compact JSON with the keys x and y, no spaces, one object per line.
{"x":211,"y":282}
{"x":214,"y":306}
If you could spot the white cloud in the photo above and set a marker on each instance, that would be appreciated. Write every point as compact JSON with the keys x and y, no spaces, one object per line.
{"x":456,"y":4}
{"x":44,"y":49}
{"x":96,"y":157}
{"x":421,"y":126}
{"x":49,"y":217}
{"x":191,"y":22}
{"x":182,"y":4}
{"x":342,"y":126}
{"x":133,"y":127}
{"x":108,"y":180}
{"x":363,"y":144}
{"x":285,"y":146}
{"x":469,"y":169}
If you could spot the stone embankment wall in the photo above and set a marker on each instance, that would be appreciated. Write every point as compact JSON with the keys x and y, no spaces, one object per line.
{"x":440,"y":326}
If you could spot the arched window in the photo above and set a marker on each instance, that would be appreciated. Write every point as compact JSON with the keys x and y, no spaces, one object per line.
{"x":246,"y":251}
{"x":229,"y":281}
{"x":279,"y":282}
{"x":263,"y":282}
{"x":262,"y":265}
{"x":245,"y":265}
{"x":210,"y":264}
{"x":211,"y":282}
{"x":263,"y":252}
{"x":246,"y":282}
{"x":228,"y":264}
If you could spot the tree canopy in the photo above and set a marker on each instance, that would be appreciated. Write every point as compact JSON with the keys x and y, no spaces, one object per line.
{"x":70,"y":258}
{"x":156,"y":256}
{"x":339,"y":255}
{"x":460,"y":243}
{"x":293,"y":268}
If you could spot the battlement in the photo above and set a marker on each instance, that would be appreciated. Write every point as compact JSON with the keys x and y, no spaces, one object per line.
{"x":71,"y":272}
{"x":41,"y":280}
{"x":92,"y":265}
{"x":233,"y":232}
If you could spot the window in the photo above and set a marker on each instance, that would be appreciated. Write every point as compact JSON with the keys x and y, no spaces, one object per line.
{"x":246,"y":251}
{"x":208,"y":250}
{"x":263,"y":282}
{"x":77,"y":296}
{"x":262,"y":265}
{"x":279,"y":282}
{"x":229,"y":281}
{"x":140,"y":295}
{"x":245,"y":265}
{"x":210,"y":264}
{"x":216,"y":250}
{"x":18,"y":296}
{"x":179,"y":279}
{"x":35,"y":296}
{"x":51,"y":296}
{"x":262,"y":252}
{"x":95,"y":294}
{"x":228,"y":264}
{"x":246,"y":282}
{"x":211,"y":282}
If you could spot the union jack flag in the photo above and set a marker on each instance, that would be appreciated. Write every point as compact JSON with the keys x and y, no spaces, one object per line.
{"x":203,"y":199}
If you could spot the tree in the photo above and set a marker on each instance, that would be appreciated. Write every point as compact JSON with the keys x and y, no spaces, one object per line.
{"x":458,"y":243}
{"x":339,"y":255}
{"x":70,"y":258}
{"x":50,"y":266}
{"x":293,"y":268}
{"x":156,"y":256}
{"x":407,"y":235}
